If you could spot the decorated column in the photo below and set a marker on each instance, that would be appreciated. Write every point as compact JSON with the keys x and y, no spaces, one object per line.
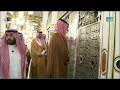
{"x":110,"y":48}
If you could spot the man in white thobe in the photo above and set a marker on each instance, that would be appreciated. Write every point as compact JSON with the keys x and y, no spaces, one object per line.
{"x":12,"y":56}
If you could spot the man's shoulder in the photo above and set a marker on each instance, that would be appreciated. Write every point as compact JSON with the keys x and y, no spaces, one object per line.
{"x":56,"y":35}
{"x":33,"y":39}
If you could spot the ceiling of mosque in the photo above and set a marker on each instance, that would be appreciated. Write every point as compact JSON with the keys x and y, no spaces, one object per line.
{"x":32,"y":16}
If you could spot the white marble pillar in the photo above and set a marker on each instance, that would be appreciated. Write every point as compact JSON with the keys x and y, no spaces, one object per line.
{"x":73,"y":27}
{"x":2,"y":22}
{"x":116,"y":54}
{"x":53,"y":22}
{"x":110,"y":48}
{"x":54,"y":19}
{"x":45,"y":18}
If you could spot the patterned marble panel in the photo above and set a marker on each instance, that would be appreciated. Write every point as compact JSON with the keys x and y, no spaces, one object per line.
{"x":88,"y":51}
{"x":87,"y":17}
{"x":71,"y":63}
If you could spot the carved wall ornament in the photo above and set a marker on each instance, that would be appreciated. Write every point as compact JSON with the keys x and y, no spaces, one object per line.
{"x":117,"y":64}
{"x":104,"y":61}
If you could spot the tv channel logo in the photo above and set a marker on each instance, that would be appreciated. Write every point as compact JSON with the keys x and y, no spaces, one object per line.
{"x":109,"y":19}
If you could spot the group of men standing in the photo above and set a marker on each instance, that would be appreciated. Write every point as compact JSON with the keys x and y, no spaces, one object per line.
{"x":43,"y":60}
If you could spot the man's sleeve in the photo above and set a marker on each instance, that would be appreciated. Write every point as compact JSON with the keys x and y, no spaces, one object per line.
{"x":33,"y":49}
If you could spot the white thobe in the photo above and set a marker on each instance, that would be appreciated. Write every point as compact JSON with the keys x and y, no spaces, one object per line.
{"x":15,"y":62}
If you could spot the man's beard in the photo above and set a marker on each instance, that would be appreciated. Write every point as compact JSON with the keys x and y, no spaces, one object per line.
{"x":10,"y":42}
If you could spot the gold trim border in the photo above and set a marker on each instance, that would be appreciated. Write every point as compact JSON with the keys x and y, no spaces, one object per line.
{"x":105,"y":72}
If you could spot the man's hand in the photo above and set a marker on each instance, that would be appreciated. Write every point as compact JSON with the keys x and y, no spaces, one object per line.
{"x":43,"y":52}
{"x":40,"y":55}
{"x":66,"y":63}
